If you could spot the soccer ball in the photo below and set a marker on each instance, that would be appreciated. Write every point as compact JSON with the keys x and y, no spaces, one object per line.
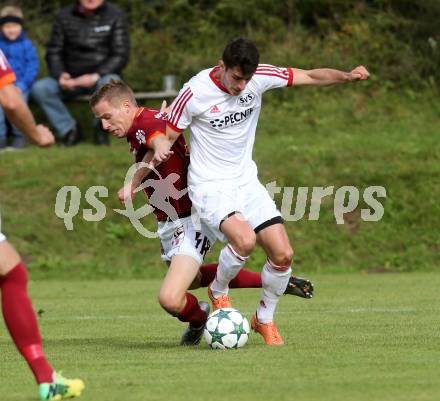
{"x":226,"y":328}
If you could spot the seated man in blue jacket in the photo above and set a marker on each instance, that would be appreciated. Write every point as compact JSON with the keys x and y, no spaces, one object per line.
{"x":88,"y":47}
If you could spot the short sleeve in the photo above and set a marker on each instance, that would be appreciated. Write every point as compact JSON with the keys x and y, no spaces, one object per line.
{"x":156,"y":126}
{"x":183,"y":110}
{"x":269,"y":77}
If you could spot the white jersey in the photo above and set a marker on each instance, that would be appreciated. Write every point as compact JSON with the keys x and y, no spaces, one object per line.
{"x":222,"y":125}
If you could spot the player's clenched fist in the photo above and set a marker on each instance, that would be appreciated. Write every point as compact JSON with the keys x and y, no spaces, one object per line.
{"x":162,"y":152}
{"x":360,"y":73}
{"x":161,"y":156}
{"x":45,"y":136}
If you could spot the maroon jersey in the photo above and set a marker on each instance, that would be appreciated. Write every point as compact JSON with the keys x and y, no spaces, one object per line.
{"x":147,"y":124}
{"x":7,"y":76}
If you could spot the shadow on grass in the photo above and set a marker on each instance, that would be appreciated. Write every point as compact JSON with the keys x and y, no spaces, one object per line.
{"x":106,"y":342}
{"x":149,"y":344}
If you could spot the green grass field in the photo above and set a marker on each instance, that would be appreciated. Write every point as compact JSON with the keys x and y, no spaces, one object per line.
{"x":363,"y":337}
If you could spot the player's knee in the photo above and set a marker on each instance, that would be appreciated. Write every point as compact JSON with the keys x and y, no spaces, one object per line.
{"x":10,"y":259}
{"x":172,"y":303}
{"x":283,"y":258}
{"x":245,"y":244}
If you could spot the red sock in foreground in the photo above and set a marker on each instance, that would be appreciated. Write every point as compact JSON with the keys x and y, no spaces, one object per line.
{"x":22,"y":324}
{"x":192,"y":312}
{"x":244,"y":279}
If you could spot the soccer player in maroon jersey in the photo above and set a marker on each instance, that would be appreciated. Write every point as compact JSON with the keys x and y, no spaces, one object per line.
{"x":184,"y":245}
{"x":16,"y":306}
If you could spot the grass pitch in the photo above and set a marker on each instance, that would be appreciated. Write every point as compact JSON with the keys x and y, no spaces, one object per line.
{"x":363,"y":337}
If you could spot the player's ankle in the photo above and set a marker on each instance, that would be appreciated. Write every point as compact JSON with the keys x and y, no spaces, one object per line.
{"x":218,"y":290}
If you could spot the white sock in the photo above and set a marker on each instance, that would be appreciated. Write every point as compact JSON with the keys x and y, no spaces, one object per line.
{"x":229,"y":264}
{"x":274,"y":283}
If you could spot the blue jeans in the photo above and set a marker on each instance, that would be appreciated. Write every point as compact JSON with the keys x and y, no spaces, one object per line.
{"x":4,"y":128}
{"x":49,"y":96}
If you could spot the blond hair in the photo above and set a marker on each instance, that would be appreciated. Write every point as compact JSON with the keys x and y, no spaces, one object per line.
{"x":114,"y":92}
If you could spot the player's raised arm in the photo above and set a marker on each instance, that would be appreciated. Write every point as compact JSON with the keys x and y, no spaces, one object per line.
{"x":328,"y":76}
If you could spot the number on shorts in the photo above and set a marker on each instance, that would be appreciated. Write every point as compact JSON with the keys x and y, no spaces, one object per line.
{"x":203,"y":245}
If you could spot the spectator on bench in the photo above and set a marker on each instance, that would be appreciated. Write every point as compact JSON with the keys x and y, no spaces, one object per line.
{"x":23,"y":58}
{"x":88,"y":47}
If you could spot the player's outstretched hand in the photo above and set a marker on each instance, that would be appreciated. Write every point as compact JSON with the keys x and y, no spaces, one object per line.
{"x":45,"y":136}
{"x":360,"y":73}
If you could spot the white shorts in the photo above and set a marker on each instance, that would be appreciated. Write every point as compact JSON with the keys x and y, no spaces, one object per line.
{"x":185,"y":237}
{"x":215,"y":201}
{"x":2,"y":237}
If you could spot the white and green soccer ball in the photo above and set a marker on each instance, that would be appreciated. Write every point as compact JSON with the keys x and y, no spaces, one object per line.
{"x":226,"y":328}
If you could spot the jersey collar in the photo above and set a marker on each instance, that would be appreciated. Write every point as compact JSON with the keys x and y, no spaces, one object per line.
{"x":136,"y":116}
{"x":139,"y":112}
{"x":216,"y":81}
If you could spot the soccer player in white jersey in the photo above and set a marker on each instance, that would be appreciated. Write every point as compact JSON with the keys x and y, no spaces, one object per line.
{"x":221,"y":106}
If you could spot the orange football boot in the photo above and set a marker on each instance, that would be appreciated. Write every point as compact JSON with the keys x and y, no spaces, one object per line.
{"x":219,"y":303}
{"x":269,"y":331}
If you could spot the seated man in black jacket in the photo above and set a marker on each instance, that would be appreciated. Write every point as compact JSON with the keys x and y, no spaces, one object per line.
{"x":89,"y":45}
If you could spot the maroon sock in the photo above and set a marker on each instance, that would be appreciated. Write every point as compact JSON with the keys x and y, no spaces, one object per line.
{"x":192,"y":313}
{"x":208,"y":274}
{"x":244,"y":279}
{"x":21,"y":322}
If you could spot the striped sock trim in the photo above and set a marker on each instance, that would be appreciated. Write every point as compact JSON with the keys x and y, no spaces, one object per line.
{"x":241,"y":259}
{"x":276,"y":267}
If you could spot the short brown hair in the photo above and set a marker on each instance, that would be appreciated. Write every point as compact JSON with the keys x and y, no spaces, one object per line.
{"x":243,"y":53}
{"x":114,"y":92}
